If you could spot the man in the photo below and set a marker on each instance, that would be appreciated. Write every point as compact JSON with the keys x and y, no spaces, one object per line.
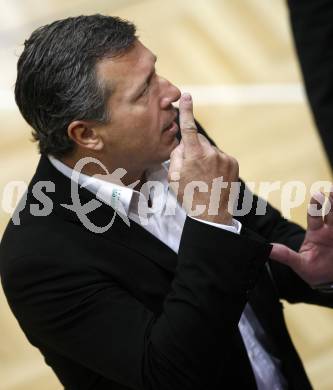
{"x":175,"y":303}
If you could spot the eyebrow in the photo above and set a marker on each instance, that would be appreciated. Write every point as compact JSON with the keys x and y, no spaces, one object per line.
{"x":147,"y":79}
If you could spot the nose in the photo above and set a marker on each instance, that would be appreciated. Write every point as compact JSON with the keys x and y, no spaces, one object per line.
{"x":170,"y":93}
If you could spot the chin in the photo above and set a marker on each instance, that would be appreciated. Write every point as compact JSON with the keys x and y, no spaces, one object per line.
{"x":165,"y":154}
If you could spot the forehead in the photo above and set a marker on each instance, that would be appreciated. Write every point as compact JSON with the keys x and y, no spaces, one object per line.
{"x":127,"y":69}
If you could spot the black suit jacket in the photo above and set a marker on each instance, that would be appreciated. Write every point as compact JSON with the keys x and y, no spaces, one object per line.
{"x":121,"y":310}
{"x":312,"y":27}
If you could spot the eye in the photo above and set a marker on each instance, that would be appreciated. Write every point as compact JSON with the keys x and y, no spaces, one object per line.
{"x":145,"y":90}
{"x":150,"y":81}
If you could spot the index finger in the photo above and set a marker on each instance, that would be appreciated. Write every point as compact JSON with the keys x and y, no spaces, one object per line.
{"x":188,"y":128}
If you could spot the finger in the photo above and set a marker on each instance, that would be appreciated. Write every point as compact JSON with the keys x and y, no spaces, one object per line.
{"x":219,"y":149}
{"x":285,"y":255}
{"x":204,"y":141}
{"x":231,"y":160}
{"x":176,"y":162}
{"x":314,"y":215}
{"x":187,"y":125}
{"x":328,"y":219}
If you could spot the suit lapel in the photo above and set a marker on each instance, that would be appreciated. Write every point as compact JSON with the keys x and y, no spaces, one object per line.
{"x":134,"y":236}
{"x":140,"y":240}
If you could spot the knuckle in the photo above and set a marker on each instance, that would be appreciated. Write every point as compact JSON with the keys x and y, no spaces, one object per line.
{"x":230,"y":160}
{"x":236,"y":165}
{"x":214,"y":152}
{"x":233,"y":161}
{"x":229,"y":163}
{"x":189,"y":125}
{"x":202,"y":138}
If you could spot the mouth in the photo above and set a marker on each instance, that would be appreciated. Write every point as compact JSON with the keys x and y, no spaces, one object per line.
{"x":172,"y":128}
{"x":171,"y":125}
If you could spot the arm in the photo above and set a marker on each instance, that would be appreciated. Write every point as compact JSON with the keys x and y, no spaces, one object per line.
{"x":274,"y":228}
{"x":311,"y":22}
{"x":98,"y":324}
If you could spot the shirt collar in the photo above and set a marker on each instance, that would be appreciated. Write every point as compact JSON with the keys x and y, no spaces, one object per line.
{"x":120,"y":197}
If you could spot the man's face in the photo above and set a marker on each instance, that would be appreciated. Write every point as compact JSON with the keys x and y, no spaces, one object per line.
{"x":142,"y":131}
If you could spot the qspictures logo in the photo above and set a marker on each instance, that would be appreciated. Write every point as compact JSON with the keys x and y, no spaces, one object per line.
{"x":109,"y":189}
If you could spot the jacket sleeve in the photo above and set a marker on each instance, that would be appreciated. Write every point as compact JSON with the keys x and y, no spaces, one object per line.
{"x":312,"y":27}
{"x":98,"y":324}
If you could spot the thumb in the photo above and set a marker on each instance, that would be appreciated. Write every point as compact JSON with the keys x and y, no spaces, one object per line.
{"x":285,"y":255}
{"x":176,"y":162}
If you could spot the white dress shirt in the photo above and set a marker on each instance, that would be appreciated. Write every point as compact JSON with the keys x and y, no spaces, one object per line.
{"x":166,"y":223}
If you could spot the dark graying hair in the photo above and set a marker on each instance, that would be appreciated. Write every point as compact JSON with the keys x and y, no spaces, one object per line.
{"x":56,"y":76}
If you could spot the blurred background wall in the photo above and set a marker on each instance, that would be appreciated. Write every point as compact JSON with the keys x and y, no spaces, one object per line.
{"x":237,"y":58}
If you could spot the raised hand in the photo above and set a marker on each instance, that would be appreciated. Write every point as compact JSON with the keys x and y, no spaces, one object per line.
{"x":195,"y":160}
{"x":314,"y":261}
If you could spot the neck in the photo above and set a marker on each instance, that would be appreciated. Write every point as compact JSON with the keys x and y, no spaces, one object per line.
{"x":92,"y":169}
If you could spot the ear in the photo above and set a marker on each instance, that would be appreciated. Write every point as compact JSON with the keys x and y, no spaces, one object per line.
{"x":85,"y":135}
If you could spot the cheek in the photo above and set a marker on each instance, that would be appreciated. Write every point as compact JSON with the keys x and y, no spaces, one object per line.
{"x":143,"y":130}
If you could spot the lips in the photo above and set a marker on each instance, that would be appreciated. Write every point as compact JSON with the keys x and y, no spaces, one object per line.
{"x":171,"y":130}
{"x":170,"y":124}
